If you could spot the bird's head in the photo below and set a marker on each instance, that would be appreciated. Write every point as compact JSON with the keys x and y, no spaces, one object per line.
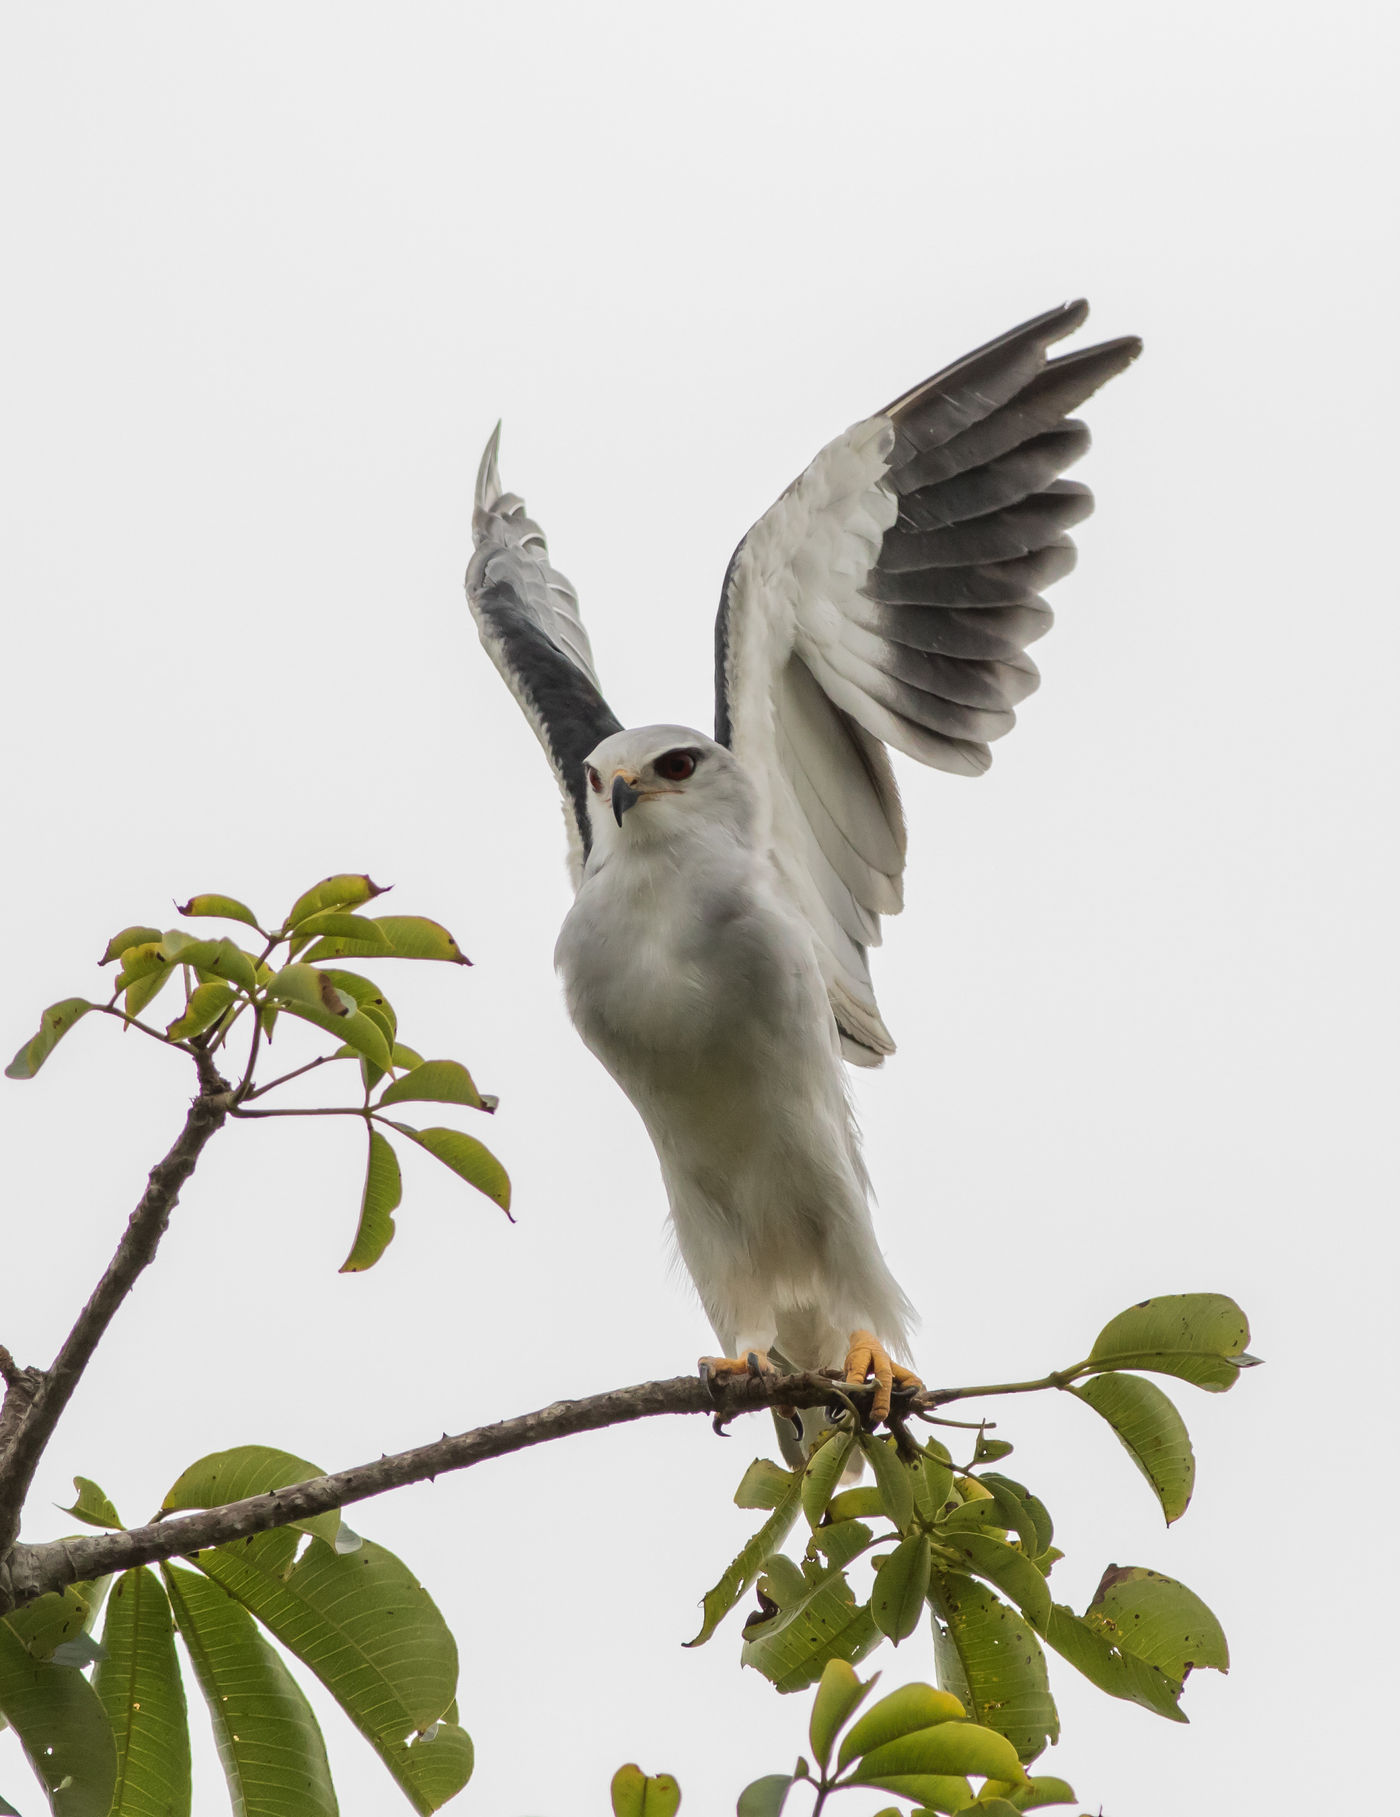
{"x":658,"y":783}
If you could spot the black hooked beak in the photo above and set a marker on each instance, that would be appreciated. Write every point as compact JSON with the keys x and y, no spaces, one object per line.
{"x":624,"y":796}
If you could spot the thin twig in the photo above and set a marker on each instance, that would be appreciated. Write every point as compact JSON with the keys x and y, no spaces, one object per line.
{"x":259,"y":1091}
{"x":331,"y":1110}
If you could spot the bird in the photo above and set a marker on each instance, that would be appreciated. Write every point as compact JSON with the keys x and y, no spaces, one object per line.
{"x":729,"y":888}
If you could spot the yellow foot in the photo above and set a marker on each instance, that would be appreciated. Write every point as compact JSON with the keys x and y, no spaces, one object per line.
{"x":754,"y":1362}
{"x":868,"y":1357}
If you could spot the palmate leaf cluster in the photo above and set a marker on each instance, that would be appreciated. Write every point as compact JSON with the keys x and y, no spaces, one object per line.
{"x":117,"y":1744}
{"x":225,"y":985}
{"x":974,"y":1548}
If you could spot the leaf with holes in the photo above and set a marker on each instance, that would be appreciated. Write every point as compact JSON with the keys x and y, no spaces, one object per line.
{"x":1150,"y":1430}
{"x":821,"y":1622}
{"x":989,"y":1658}
{"x":268,"y":1740}
{"x":1111,"y":1666}
{"x":382,"y":1194}
{"x":244,"y":1470}
{"x":1199,"y":1337}
{"x":62,"y":1728}
{"x":1159,"y":1620}
{"x":897,"y":1601}
{"x":746,"y":1567}
{"x":139,"y":1684}
{"x":363,"y":1624}
{"x":54,"y":1024}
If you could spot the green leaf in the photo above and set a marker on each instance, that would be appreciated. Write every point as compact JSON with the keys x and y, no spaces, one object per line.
{"x":764,"y":1484}
{"x":409,"y":937}
{"x":140,"y":1688}
{"x":979,"y":1515}
{"x":746,"y":1567}
{"x":92,"y":1506}
{"x":989,"y":1658}
{"x":1159,"y":1620}
{"x":269,"y":1744}
{"x":227,"y":908}
{"x":440,"y":1761}
{"x":364,"y":1625}
{"x":219,"y":959}
{"x":62,"y":1728}
{"x":435,"y":1082}
{"x":405,"y":1059}
{"x":841,"y":1541}
{"x":347,"y":890}
{"x":764,"y":1797}
{"x":129,"y":937}
{"x":308,"y":994}
{"x":934,"y":1791}
{"x":54,"y":1024}
{"x":45,"y":1624}
{"x":1032,"y":1796}
{"x":634,"y":1795}
{"x":207,"y":1003}
{"x":893,"y":1477}
{"x":864,"y":1503}
{"x":1011,"y":1499}
{"x":823,"y":1472}
{"x":380,"y":1199}
{"x":1151,"y":1431}
{"x":244,"y":1470}
{"x":989,"y":1450}
{"x":792,"y":1647}
{"x":1013,"y":1573}
{"x":902,"y":1712}
{"x":947,"y":1748}
{"x":901,"y":1584}
{"x":471,"y":1160}
{"x":369,"y":938}
{"x":1199,"y":1337}
{"x":1110,"y":1666}
{"x":932,"y":1481}
{"x":839,"y":1695}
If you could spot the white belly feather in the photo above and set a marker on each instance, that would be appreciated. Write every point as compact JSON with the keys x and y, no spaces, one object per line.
{"x":701,"y":994}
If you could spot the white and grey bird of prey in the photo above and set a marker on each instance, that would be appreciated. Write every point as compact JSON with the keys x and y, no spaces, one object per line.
{"x":729,"y":889}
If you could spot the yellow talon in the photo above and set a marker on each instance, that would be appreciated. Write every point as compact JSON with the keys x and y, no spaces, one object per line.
{"x":868,"y":1357}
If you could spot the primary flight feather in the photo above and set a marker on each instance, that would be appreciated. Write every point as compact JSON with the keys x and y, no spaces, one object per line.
{"x":729,"y":889}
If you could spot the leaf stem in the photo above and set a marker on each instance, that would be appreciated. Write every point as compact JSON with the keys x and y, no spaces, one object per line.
{"x":259,"y":1091}
{"x":1058,"y":1378}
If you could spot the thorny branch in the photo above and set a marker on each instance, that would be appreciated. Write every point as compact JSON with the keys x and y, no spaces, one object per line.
{"x":32,"y":1570}
{"x":35,"y":1398}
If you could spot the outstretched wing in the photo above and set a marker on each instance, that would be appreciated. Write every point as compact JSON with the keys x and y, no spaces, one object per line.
{"x":887,"y":598}
{"x":528,"y":619}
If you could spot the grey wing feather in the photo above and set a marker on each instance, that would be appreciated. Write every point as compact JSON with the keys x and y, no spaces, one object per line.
{"x":887,"y":599}
{"x":528,"y":619}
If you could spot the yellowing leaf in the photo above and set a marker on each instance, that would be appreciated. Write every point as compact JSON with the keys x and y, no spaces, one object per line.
{"x":226,"y":908}
{"x":382,"y":1194}
{"x":409,"y":937}
{"x":207,"y":1003}
{"x":436,"y":1082}
{"x":469,"y":1159}
{"x":346,"y":890}
{"x":54,"y":1024}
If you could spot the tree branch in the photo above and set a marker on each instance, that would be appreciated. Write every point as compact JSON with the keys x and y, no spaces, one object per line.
{"x":32,"y":1570}
{"x":27,"y":1426}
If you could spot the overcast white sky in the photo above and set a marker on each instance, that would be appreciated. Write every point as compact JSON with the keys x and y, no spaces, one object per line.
{"x":273,"y":273}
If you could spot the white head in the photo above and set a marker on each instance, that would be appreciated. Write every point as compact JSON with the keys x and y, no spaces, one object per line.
{"x":654,"y":784}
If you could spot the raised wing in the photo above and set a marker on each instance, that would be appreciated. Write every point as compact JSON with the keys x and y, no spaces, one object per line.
{"x":887,"y":598}
{"x":528,"y":619}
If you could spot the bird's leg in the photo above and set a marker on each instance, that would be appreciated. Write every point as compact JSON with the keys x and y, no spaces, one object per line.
{"x":868,"y":1357}
{"x":752,"y":1362}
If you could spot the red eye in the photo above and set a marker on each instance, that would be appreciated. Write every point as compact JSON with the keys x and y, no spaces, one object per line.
{"x":595,"y":781}
{"x":675,"y":766}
